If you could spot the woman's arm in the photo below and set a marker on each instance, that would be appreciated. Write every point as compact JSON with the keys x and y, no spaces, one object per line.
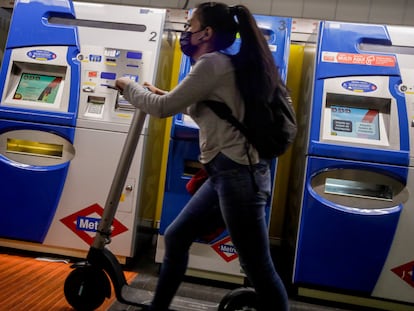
{"x":196,"y":86}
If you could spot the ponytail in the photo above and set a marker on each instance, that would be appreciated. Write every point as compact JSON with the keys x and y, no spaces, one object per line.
{"x":257,"y":75}
{"x":256,"y":72}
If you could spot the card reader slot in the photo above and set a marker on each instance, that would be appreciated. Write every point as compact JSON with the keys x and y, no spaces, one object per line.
{"x":123,"y":104}
{"x":96,"y":100}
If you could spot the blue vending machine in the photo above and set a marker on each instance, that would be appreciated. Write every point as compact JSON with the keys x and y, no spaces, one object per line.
{"x":357,"y":215}
{"x":214,"y":257}
{"x":38,"y":110}
{"x":62,"y":128}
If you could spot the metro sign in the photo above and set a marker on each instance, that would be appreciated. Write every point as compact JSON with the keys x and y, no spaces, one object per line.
{"x":405,"y":272}
{"x":82,"y":222}
{"x":225,"y":249}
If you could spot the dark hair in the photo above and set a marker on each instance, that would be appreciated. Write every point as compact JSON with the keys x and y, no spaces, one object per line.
{"x":257,"y":74}
{"x":217,"y":16}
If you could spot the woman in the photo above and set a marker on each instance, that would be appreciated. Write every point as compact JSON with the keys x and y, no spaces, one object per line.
{"x":230,"y":194}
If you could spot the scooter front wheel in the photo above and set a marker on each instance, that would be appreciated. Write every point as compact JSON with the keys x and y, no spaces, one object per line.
{"x":86,"y":288}
{"x":239,"y":299}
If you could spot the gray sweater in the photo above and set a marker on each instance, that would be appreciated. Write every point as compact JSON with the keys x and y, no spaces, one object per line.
{"x":211,"y":78}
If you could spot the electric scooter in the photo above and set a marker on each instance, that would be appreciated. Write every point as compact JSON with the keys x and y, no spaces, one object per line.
{"x":87,"y":285}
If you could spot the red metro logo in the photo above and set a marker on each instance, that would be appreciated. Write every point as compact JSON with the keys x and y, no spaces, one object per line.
{"x":225,"y":249}
{"x":85,"y":221}
{"x":405,"y":272}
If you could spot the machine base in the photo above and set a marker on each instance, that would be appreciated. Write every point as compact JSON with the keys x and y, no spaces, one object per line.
{"x":41,"y":248}
{"x":210,"y":275}
{"x":354,"y":300}
{"x":141,"y":297}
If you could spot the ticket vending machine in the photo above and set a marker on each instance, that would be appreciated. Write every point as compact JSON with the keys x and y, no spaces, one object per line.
{"x":38,"y":111}
{"x":113,"y":41}
{"x":125,"y":42}
{"x":357,"y":215}
{"x":213,"y":256}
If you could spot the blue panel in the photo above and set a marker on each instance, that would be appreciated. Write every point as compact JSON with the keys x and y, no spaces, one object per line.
{"x":29,"y":198}
{"x":279,"y":37}
{"x":74,"y":82}
{"x":176,"y":195}
{"x":30,"y":194}
{"x":179,"y":129}
{"x":359,"y":153}
{"x":183,"y":130}
{"x":403,"y":122}
{"x":316,"y":114}
{"x":42,"y":116}
{"x":341,"y":248}
{"x":29,"y":25}
{"x":58,"y":118}
{"x":134,"y":55}
{"x":29,"y":28}
{"x":66,"y":132}
{"x":180,"y":151}
{"x":331,"y":39}
{"x":108,"y":75}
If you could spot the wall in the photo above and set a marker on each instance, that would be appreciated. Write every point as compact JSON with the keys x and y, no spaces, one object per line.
{"x":397,"y":12}
{"x":5,"y":17}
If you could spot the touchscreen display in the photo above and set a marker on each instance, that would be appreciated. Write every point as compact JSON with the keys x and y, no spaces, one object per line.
{"x":38,"y":88}
{"x":355,"y":122}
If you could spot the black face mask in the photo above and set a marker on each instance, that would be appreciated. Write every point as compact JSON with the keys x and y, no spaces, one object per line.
{"x":185,"y":43}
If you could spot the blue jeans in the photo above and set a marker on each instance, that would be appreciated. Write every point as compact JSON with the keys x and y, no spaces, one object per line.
{"x":227,"y":196}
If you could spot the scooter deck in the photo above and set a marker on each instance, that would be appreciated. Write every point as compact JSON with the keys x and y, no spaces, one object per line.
{"x":141,"y":298}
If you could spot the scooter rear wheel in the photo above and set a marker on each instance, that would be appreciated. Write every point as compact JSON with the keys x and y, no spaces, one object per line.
{"x":86,"y":288}
{"x":239,"y":299}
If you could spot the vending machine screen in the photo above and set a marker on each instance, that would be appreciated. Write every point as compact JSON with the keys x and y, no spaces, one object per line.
{"x":38,"y":88}
{"x":356,"y":119}
{"x":355,"y":122}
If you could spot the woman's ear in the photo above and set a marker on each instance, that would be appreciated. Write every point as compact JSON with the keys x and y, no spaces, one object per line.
{"x":208,"y":32}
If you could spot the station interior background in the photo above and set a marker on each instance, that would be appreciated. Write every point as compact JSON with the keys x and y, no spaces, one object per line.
{"x":306,"y":15}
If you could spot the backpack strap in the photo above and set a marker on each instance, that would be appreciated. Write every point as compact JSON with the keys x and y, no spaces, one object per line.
{"x":224,"y":112}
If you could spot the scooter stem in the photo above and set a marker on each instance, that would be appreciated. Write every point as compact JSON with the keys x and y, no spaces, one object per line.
{"x":104,"y":228}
